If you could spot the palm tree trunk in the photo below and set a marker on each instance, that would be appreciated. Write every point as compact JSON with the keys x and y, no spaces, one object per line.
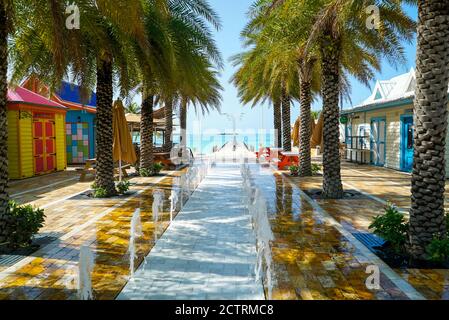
{"x":432,"y":78}
{"x":332,"y":186}
{"x":183,"y":123}
{"x":4,"y":197}
{"x":305,"y":159}
{"x":277,"y":122}
{"x":105,"y":164}
{"x":146,"y":131}
{"x":168,"y":125}
{"x":286,"y":125}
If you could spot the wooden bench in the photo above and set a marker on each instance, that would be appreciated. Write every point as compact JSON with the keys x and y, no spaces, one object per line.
{"x":288,"y":159}
{"x":90,"y":168}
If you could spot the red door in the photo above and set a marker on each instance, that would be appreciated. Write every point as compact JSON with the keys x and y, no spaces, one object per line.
{"x":44,"y":146}
{"x":39,"y":166}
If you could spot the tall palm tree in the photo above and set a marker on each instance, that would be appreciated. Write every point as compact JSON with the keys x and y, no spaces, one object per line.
{"x":194,"y":53}
{"x":181,"y":47}
{"x":306,"y":68}
{"x":427,"y":216}
{"x":92,"y":56}
{"x":168,"y":133}
{"x":202,"y":92}
{"x":286,"y":120}
{"x":254,"y":87}
{"x":277,"y":123}
{"x":267,"y":73}
{"x":154,"y":66}
{"x":15,"y":15}
{"x":344,"y":44}
{"x":133,"y":108}
{"x":5,"y":28}
{"x":146,"y":131}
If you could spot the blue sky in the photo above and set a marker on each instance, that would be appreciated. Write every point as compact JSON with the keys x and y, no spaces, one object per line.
{"x":233,"y":17}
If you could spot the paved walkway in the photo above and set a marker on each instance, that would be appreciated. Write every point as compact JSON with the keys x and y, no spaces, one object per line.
{"x":378,"y":186}
{"x":208,"y":252}
{"x":76,"y":220}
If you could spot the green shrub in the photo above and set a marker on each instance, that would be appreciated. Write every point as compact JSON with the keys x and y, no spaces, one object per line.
{"x":145,"y":172}
{"x":100,"y":193}
{"x":438,"y":250}
{"x":392,"y":227}
{"x":447,"y":223}
{"x":157,"y":167}
{"x":25,"y":223}
{"x":294,"y":170}
{"x":315,"y":168}
{"x":123,"y":186}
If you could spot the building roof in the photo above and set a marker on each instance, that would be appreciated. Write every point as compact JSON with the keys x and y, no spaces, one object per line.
{"x":71,"y":92}
{"x":387,"y":93}
{"x":22,"y":95}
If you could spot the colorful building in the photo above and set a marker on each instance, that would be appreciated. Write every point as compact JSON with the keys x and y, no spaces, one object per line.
{"x":80,"y":119}
{"x":383,"y":124}
{"x":80,"y":123}
{"x":36,"y":134}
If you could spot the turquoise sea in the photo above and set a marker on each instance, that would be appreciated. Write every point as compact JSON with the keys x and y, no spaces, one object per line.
{"x":205,"y":143}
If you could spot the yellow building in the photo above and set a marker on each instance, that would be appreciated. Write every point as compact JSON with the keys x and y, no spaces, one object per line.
{"x":36,"y":134}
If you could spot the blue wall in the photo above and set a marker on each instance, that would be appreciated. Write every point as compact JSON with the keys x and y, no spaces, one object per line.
{"x":84,"y":116}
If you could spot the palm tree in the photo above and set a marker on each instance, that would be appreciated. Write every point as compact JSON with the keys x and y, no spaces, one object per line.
{"x":154,"y":66}
{"x":344,"y":45}
{"x":286,"y":120}
{"x":202,"y":92}
{"x":171,"y":73}
{"x":277,"y":114}
{"x":192,"y":79}
{"x":146,"y":131}
{"x":305,"y":158}
{"x":133,"y":108}
{"x":15,"y":15}
{"x":254,"y":88}
{"x":427,"y":216}
{"x":5,"y":28}
{"x":92,"y":56}
{"x":168,"y":133}
{"x":267,"y":72}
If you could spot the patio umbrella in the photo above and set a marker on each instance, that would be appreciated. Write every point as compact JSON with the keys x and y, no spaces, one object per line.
{"x":317,"y":135}
{"x":297,"y":131}
{"x":123,"y":149}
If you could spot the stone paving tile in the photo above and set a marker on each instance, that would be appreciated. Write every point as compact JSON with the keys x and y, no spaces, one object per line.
{"x":356,"y":215}
{"x":312,"y":259}
{"x":208,"y":252}
{"x":51,"y":273}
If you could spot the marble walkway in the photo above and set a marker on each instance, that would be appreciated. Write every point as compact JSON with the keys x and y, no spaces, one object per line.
{"x":208,"y":252}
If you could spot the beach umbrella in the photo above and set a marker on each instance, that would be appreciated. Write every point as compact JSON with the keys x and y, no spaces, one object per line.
{"x":123,"y":149}
{"x":295,"y":133}
{"x":317,"y":135}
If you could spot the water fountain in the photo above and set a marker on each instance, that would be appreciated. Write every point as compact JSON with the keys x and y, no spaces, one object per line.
{"x":173,"y":203}
{"x":157,"y":207}
{"x":135,"y":232}
{"x":85,"y":268}
{"x":182,"y":188}
{"x":258,"y":210}
{"x":198,"y":176}
{"x":264,"y":238}
{"x":188,"y":182}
